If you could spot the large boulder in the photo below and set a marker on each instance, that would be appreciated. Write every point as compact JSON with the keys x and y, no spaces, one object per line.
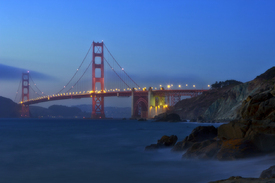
{"x":236,"y":149}
{"x":199,"y":134}
{"x":233,"y":130}
{"x":165,"y":141}
{"x":207,"y":149}
{"x":258,"y":107}
{"x":264,"y":142}
{"x":268,"y":173}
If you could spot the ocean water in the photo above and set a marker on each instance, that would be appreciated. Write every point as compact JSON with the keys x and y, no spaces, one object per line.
{"x":85,"y":151}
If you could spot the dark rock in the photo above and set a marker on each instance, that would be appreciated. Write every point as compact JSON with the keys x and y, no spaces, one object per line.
{"x":268,"y":173}
{"x":232,"y":130}
{"x":207,"y":149}
{"x":236,"y":149}
{"x":239,"y":179}
{"x":168,"y":141}
{"x":264,"y":142}
{"x":173,"y":117}
{"x":165,"y":141}
{"x":258,"y":107}
{"x":152,"y":147}
{"x":201,"y":119}
{"x":142,"y":119}
{"x":199,"y":134}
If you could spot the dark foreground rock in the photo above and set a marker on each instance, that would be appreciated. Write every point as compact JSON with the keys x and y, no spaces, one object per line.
{"x":165,"y":141}
{"x":203,"y":150}
{"x":237,"y":149}
{"x":268,"y":173}
{"x":199,"y":134}
{"x":239,"y":179}
{"x":267,"y":176}
{"x":252,"y":135}
{"x":142,"y":119}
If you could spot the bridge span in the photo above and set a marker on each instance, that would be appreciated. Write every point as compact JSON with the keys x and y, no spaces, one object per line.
{"x":145,"y":103}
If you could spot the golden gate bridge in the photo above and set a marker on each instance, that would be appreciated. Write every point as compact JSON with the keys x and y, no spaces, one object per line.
{"x":146,"y":103}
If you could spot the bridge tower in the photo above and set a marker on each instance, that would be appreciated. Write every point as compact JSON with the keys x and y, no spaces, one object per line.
{"x":98,"y":65}
{"x":25,"y":95}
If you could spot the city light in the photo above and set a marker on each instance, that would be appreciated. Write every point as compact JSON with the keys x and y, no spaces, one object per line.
{"x":208,"y":86}
{"x":194,"y":86}
{"x":179,"y":86}
{"x":168,"y":86}
{"x":186,"y":84}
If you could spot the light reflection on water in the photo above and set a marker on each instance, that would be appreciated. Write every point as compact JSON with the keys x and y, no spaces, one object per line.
{"x":71,"y":150}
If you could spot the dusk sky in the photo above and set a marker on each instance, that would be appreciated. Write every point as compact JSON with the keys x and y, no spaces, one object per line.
{"x":195,"y":42}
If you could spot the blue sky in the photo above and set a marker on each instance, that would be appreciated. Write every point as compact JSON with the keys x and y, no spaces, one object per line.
{"x":157,"y":42}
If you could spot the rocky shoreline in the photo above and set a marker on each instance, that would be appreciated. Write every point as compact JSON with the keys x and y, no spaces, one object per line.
{"x":253,"y":134}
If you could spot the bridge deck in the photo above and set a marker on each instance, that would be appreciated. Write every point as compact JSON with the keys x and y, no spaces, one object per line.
{"x":77,"y":95}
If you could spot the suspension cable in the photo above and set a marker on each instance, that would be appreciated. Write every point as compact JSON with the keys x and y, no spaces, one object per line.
{"x":35,"y":91}
{"x":116,"y":73}
{"x":76,"y":70}
{"x":36,"y":86}
{"x":81,"y":76}
{"x":17,"y":91}
{"x":121,"y":67}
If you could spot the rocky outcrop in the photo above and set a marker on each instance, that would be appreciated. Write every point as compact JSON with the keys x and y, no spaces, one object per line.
{"x":165,"y":141}
{"x":236,"y":149}
{"x":203,"y":150}
{"x":256,"y":124}
{"x":224,"y":103}
{"x":268,"y":173}
{"x":253,"y":134}
{"x":239,"y":179}
{"x":267,"y":176}
{"x":199,"y":134}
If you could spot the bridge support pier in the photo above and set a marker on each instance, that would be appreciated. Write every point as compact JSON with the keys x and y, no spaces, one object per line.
{"x":156,"y":104}
{"x":139,"y":105}
{"x":98,"y":102}
{"x":147,"y":105}
{"x":25,"y":112}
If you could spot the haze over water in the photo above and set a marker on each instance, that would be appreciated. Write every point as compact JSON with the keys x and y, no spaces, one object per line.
{"x":73,"y":150}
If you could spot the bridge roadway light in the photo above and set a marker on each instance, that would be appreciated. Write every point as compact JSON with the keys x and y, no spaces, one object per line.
{"x":168,"y":86}
{"x":179,"y":86}
{"x":186,"y":84}
{"x":208,"y":86}
{"x":194,"y":86}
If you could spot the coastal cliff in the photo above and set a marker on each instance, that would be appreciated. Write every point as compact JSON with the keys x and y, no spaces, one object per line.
{"x":223,"y":104}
